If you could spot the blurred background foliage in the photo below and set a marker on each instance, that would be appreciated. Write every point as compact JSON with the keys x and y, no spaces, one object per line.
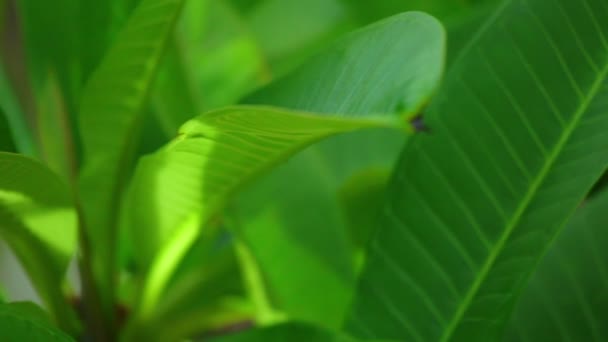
{"x":221,"y":52}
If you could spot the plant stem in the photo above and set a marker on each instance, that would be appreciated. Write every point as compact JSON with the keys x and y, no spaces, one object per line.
{"x":98,"y":326}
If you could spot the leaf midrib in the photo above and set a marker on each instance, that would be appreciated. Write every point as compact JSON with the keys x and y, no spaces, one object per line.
{"x":530,"y":195}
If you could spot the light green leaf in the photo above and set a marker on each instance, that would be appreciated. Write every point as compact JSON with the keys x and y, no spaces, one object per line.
{"x":213,"y":156}
{"x":206,"y":294}
{"x":25,"y":322}
{"x":38,"y":221}
{"x":518,"y":137}
{"x":567,"y":297}
{"x":110,"y":117}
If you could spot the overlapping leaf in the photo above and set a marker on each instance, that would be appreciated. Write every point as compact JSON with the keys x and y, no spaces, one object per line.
{"x":567,"y":297}
{"x":178,"y":189}
{"x":518,"y":138}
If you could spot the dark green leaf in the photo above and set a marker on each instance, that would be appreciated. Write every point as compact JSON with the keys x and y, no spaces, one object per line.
{"x":25,"y":322}
{"x":518,"y":137}
{"x":567,"y":297}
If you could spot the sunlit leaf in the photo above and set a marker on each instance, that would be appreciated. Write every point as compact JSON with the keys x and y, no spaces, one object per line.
{"x":213,"y":156}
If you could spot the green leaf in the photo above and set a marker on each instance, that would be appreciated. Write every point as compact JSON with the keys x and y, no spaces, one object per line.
{"x":299,"y":230}
{"x":110,"y":117}
{"x":25,"y":322}
{"x":566,"y":299}
{"x":213,"y":156}
{"x":361,"y":199}
{"x":206,"y":294}
{"x":187,"y":182}
{"x":38,"y":221}
{"x":375,"y":70}
{"x":518,"y":137}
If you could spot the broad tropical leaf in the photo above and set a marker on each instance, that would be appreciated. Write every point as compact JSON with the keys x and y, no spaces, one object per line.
{"x":27,"y":322}
{"x":110,"y":116}
{"x":567,"y":297}
{"x":207,"y":162}
{"x":518,"y":137}
{"x":38,"y":222}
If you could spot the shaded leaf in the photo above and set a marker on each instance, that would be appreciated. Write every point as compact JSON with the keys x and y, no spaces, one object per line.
{"x":567,"y":297}
{"x":25,"y":322}
{"x":518,"y":138}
